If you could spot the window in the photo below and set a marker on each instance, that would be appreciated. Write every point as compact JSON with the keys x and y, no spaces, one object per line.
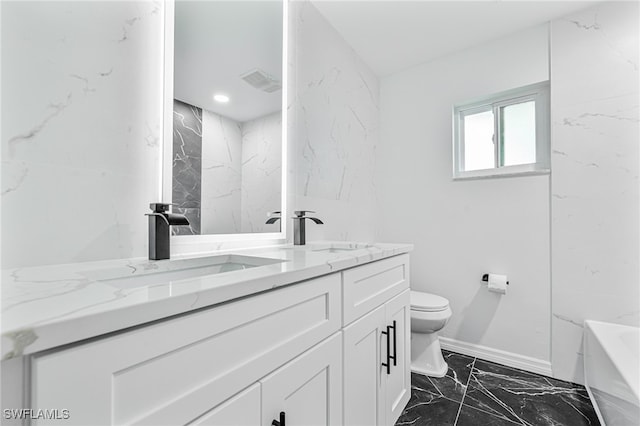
{"x":503,"y":134}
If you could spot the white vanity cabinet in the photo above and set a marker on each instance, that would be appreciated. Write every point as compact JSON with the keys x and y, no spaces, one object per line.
{"x":377,"y":364}
{"x":313,"y":350}
{"x":175,"y":371}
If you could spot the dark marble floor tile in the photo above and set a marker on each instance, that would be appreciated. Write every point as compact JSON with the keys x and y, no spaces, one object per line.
{"x":471,"y":417}
{"x":427,"y":409}
{"x":451,"y":386}
{"x":454,"y":384}
{"x":527,"y":398}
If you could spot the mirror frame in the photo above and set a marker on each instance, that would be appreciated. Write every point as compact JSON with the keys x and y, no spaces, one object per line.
{"x":183,"y":244}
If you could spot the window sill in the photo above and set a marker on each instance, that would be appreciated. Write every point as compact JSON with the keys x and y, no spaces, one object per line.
{"x":502,"y":172}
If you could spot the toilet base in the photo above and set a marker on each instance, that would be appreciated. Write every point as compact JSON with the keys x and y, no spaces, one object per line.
{"x":430,"y":373}
{"x":426,"y":355}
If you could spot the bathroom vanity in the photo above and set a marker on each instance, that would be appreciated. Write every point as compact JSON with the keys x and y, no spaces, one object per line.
{"x":310,"y":335}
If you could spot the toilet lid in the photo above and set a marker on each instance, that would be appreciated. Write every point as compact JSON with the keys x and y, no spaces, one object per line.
{"x":427,"y":302}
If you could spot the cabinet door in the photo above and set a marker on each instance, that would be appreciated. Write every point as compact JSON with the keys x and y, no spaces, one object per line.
{"x":362,"y":370}
{"x":397,"y":384}
{"x":242,"y":409}
{"x":308,"y":389}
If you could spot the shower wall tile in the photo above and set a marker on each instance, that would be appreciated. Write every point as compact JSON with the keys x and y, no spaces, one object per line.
{"x":221,"y":174}
{"x":232,"y":169}
{"x":81,"y":126}
{"x":187,"y":165}
{"x":335,"y":130}
{"x":594,"y":181}
{"x":261,"y":172}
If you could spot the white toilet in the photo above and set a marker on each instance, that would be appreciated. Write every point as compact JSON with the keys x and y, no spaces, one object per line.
{"x":429,"y":314}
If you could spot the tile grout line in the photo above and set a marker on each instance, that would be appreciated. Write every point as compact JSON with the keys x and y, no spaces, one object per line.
{"x":465,"y":391}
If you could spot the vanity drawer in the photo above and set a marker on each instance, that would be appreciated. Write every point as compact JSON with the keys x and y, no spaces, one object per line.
{"x":174,"y":371}
{"x":368,"y":286}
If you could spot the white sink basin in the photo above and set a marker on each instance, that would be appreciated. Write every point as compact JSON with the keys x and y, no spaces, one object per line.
{"x":152,"y":272}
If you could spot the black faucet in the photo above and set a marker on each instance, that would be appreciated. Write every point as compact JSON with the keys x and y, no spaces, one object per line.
{"x":159,"y":235}
{"x":299,"y":237}
{"x":273,"y":217}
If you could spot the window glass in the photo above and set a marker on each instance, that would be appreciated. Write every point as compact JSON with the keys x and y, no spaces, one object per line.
{"x":503,"y":134}
{"x":479,"y":152}
{"x":518,"y":134}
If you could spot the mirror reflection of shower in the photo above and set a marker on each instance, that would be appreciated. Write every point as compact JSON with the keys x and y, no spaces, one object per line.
{"x":227,"y":118}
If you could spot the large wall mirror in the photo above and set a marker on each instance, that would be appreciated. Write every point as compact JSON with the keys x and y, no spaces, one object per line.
{"x":224,"y":121}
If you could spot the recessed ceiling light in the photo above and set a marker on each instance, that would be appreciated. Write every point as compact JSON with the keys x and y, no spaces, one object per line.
{"x":223,"y":99}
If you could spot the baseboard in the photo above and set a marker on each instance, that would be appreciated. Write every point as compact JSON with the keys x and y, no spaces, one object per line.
{"x":510,"y":359}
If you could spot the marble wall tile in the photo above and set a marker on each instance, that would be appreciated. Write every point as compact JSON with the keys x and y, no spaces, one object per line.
{"x":187,"y":165}
{"x":594,"y":184}
{"x":90,"y":146}
{"x":81,"y":126}
{"x":234,"y":168}
{"x":335,"y":115}
{"x":261,"y":172}
{"x":221,"y":174}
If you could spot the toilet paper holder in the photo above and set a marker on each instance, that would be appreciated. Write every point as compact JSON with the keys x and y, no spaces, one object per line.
{"x":485,"y":278}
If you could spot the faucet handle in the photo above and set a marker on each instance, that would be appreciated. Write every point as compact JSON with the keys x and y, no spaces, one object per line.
{"x":160,"y":207}
{"x":273,"y":217}
{"x":159,"y":215}
{"x":302,"y":218}
{"x":301,"y":213}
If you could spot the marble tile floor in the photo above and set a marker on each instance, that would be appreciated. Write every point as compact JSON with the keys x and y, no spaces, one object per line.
{"x":476,"y":392}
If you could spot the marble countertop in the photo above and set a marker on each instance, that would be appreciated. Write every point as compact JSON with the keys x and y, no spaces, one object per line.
{"x":45,"y":307}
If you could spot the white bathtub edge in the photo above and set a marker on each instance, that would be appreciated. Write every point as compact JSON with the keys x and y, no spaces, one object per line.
{"x":594,"y":403}
{"x":592,"y":325}
{"x":610,"y":366}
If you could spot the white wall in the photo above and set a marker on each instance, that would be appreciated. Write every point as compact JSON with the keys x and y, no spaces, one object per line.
{"x":464,"y":229}
{"x":81,"y":122}
{"x":595,"y":155}
{"x":334,"y":132}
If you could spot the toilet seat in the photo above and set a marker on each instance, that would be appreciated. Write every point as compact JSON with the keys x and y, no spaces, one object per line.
{"x":427,"y":302}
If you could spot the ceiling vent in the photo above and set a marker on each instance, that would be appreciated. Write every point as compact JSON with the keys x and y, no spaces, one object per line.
{"x":261,"y":80}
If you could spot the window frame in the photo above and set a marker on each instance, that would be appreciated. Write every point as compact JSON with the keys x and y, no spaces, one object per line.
{"x":539,"y":94}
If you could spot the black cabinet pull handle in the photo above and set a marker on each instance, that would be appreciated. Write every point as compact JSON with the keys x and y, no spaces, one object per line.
{"x":279,"y":423}
{"x":388,"y":363}
{"x":394,"y":343}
